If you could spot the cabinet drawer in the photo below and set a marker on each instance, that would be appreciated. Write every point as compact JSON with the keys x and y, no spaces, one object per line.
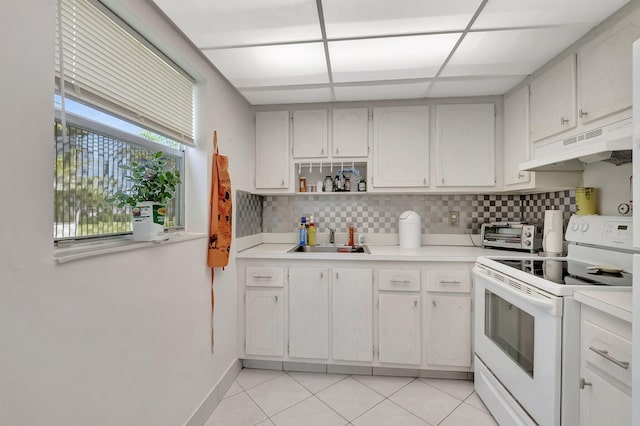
{"x":607,"y":351}
{"x":399,"y":279}
{"x":455,"y":279}
{"x":260,"y":276}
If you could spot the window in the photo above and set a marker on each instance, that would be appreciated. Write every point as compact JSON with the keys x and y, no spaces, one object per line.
{"x":118,"y":99}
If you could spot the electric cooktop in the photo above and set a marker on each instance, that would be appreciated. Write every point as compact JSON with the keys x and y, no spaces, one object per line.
{"x":570,"y":272}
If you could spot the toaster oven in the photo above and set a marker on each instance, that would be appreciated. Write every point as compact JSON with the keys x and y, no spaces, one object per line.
{"x":511,"y":236}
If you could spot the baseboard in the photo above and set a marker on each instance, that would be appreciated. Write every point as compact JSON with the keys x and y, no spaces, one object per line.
{"x":262,"y":364}
{"x":439,"y":374}
{"x":211,"y":401}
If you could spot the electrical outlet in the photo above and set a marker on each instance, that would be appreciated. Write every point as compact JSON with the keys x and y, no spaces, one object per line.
{"x":454,"y":218}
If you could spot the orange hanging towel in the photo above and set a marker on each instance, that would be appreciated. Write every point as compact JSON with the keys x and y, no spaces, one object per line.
{"x":220,"y":217}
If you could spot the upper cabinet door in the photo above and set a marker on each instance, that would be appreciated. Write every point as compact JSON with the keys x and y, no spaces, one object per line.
{"x":465,"y":145}
{"x":553,"y":100}
{"x":605,"y":70}
{"x":272,"y":150}
{"x":401,"y":147}
{"x":350,"y":132}
{"x":310,"y":130}
{"x":517,"y":148}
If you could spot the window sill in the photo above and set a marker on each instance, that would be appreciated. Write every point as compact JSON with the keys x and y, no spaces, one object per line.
{"x":100,"y":248}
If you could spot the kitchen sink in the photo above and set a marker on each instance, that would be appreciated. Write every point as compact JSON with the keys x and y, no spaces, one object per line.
{"x":330,"y":248}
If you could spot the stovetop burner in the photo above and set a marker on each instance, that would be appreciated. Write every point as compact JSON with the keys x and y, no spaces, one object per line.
{"x":568,"y":272}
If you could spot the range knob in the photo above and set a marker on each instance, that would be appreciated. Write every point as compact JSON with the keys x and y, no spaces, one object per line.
{"x":584,"y":227}
{"x":575,"y":226}
{"x":527,"y":242}
{"x":527,"y":234}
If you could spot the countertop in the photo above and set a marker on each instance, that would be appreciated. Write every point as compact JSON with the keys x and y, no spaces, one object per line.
{"x":615,"y":303}
{"x":452,"y":253}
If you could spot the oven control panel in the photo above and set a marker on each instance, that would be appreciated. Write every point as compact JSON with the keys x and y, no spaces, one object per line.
{"x":606,"y":231}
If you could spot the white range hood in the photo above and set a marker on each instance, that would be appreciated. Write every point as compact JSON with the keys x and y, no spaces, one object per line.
{"x":611,"y":143}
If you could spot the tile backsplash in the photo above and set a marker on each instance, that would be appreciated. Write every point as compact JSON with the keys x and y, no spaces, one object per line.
{"x":379,"y":213}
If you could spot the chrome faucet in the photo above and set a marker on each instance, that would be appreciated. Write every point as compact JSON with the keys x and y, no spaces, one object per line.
{"x":332,"y":236}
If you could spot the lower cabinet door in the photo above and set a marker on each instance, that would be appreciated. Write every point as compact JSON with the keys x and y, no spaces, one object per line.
{"x":264,"y":322}
{"x":399,"y":328}
{"x":449,"y":330}
{"x":602,"y":403}
{"x":352,"y":314}
{"x":309,"y":313}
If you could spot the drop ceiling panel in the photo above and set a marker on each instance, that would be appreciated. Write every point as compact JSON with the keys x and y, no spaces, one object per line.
{"x":357,"y":18}
{"x":287,"y":96}
{"x":511,"y":13}
{"x":473,"y":87}
{"x":386,"y":91}
{"x":232,"y":23}
{"x":510,"y":51}
{"x":390,"y":58}
{"x":272,"y":65}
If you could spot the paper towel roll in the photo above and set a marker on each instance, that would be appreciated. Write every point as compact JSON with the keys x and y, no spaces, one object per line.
{"x":553,"y":236}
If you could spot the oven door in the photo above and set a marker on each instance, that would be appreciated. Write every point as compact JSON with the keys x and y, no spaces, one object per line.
{"x":518,"y":337}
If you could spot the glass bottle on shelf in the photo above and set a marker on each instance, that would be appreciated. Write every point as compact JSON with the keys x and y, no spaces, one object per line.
{"x":328,"y":184}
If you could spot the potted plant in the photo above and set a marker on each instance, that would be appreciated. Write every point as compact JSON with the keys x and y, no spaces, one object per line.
{"x":153,"y":185}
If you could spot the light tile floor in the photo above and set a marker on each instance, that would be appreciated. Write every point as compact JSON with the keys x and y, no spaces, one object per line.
{"x":277,"y":398}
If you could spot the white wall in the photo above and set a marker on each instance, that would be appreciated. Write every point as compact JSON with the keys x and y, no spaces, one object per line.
{"x":120,"y":339}
{"x":612,"y":184}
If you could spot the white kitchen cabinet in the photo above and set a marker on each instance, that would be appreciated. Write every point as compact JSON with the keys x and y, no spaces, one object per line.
{"x":310,"y":130}
{"x":465,"y":145}
{"x":352,"y":314}
{"x":264,"y":322}
{"x":605,"y":369}
{"x":448,"y":330}
{"x":602,"y":403}
{"x":517,"y":148}
{"x":400,"y":147}
{"x":399,"y":328}
{"x":272,"y":150}
{"x":604,"y":65}
{"x":309,"y":312}
{"x":553,"y":100}
{"x":350,"y":132}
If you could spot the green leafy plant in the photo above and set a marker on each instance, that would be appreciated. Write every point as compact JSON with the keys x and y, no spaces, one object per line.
{"x":151,"y":182}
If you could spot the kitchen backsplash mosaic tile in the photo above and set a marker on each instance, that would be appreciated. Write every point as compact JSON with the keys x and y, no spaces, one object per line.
{"x":379,"y":213}
{"x":248,"y":214}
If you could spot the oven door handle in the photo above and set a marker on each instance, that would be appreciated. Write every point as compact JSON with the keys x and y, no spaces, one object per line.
{"x":552,"y":304}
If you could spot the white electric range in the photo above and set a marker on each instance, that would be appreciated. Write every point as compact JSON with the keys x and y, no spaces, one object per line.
{"x":527,"y":324}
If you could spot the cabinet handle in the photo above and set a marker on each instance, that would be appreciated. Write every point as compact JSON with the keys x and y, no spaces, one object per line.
{"x":400,"y":281}
{"x":337,"y":150}
{"x":337,"y":276}
{"x":424,"y":181}
{"x":605,"y":354}
{"x":442,"y":180}
{"x":262,"y":277}
{"x":582,"y":113}
{"x":434,"y":303}
{"x":520,"y":175}
{"x":415,"y":303}
{"x":321,"y":274}
{"x":563,"y":121}
{"x":275,"y":298}
{"x":450,"y":282}
{"x":584,"y":383}
{"x":322,"y":151}
{"x":282,"y":183}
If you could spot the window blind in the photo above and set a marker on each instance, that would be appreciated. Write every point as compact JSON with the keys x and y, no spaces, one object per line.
{"x":108,"y":65}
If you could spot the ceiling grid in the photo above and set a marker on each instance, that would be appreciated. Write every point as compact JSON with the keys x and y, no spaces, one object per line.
{"x":304,"y":51}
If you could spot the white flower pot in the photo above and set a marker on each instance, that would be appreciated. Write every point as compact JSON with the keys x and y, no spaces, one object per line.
{"x":148,"y":221}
